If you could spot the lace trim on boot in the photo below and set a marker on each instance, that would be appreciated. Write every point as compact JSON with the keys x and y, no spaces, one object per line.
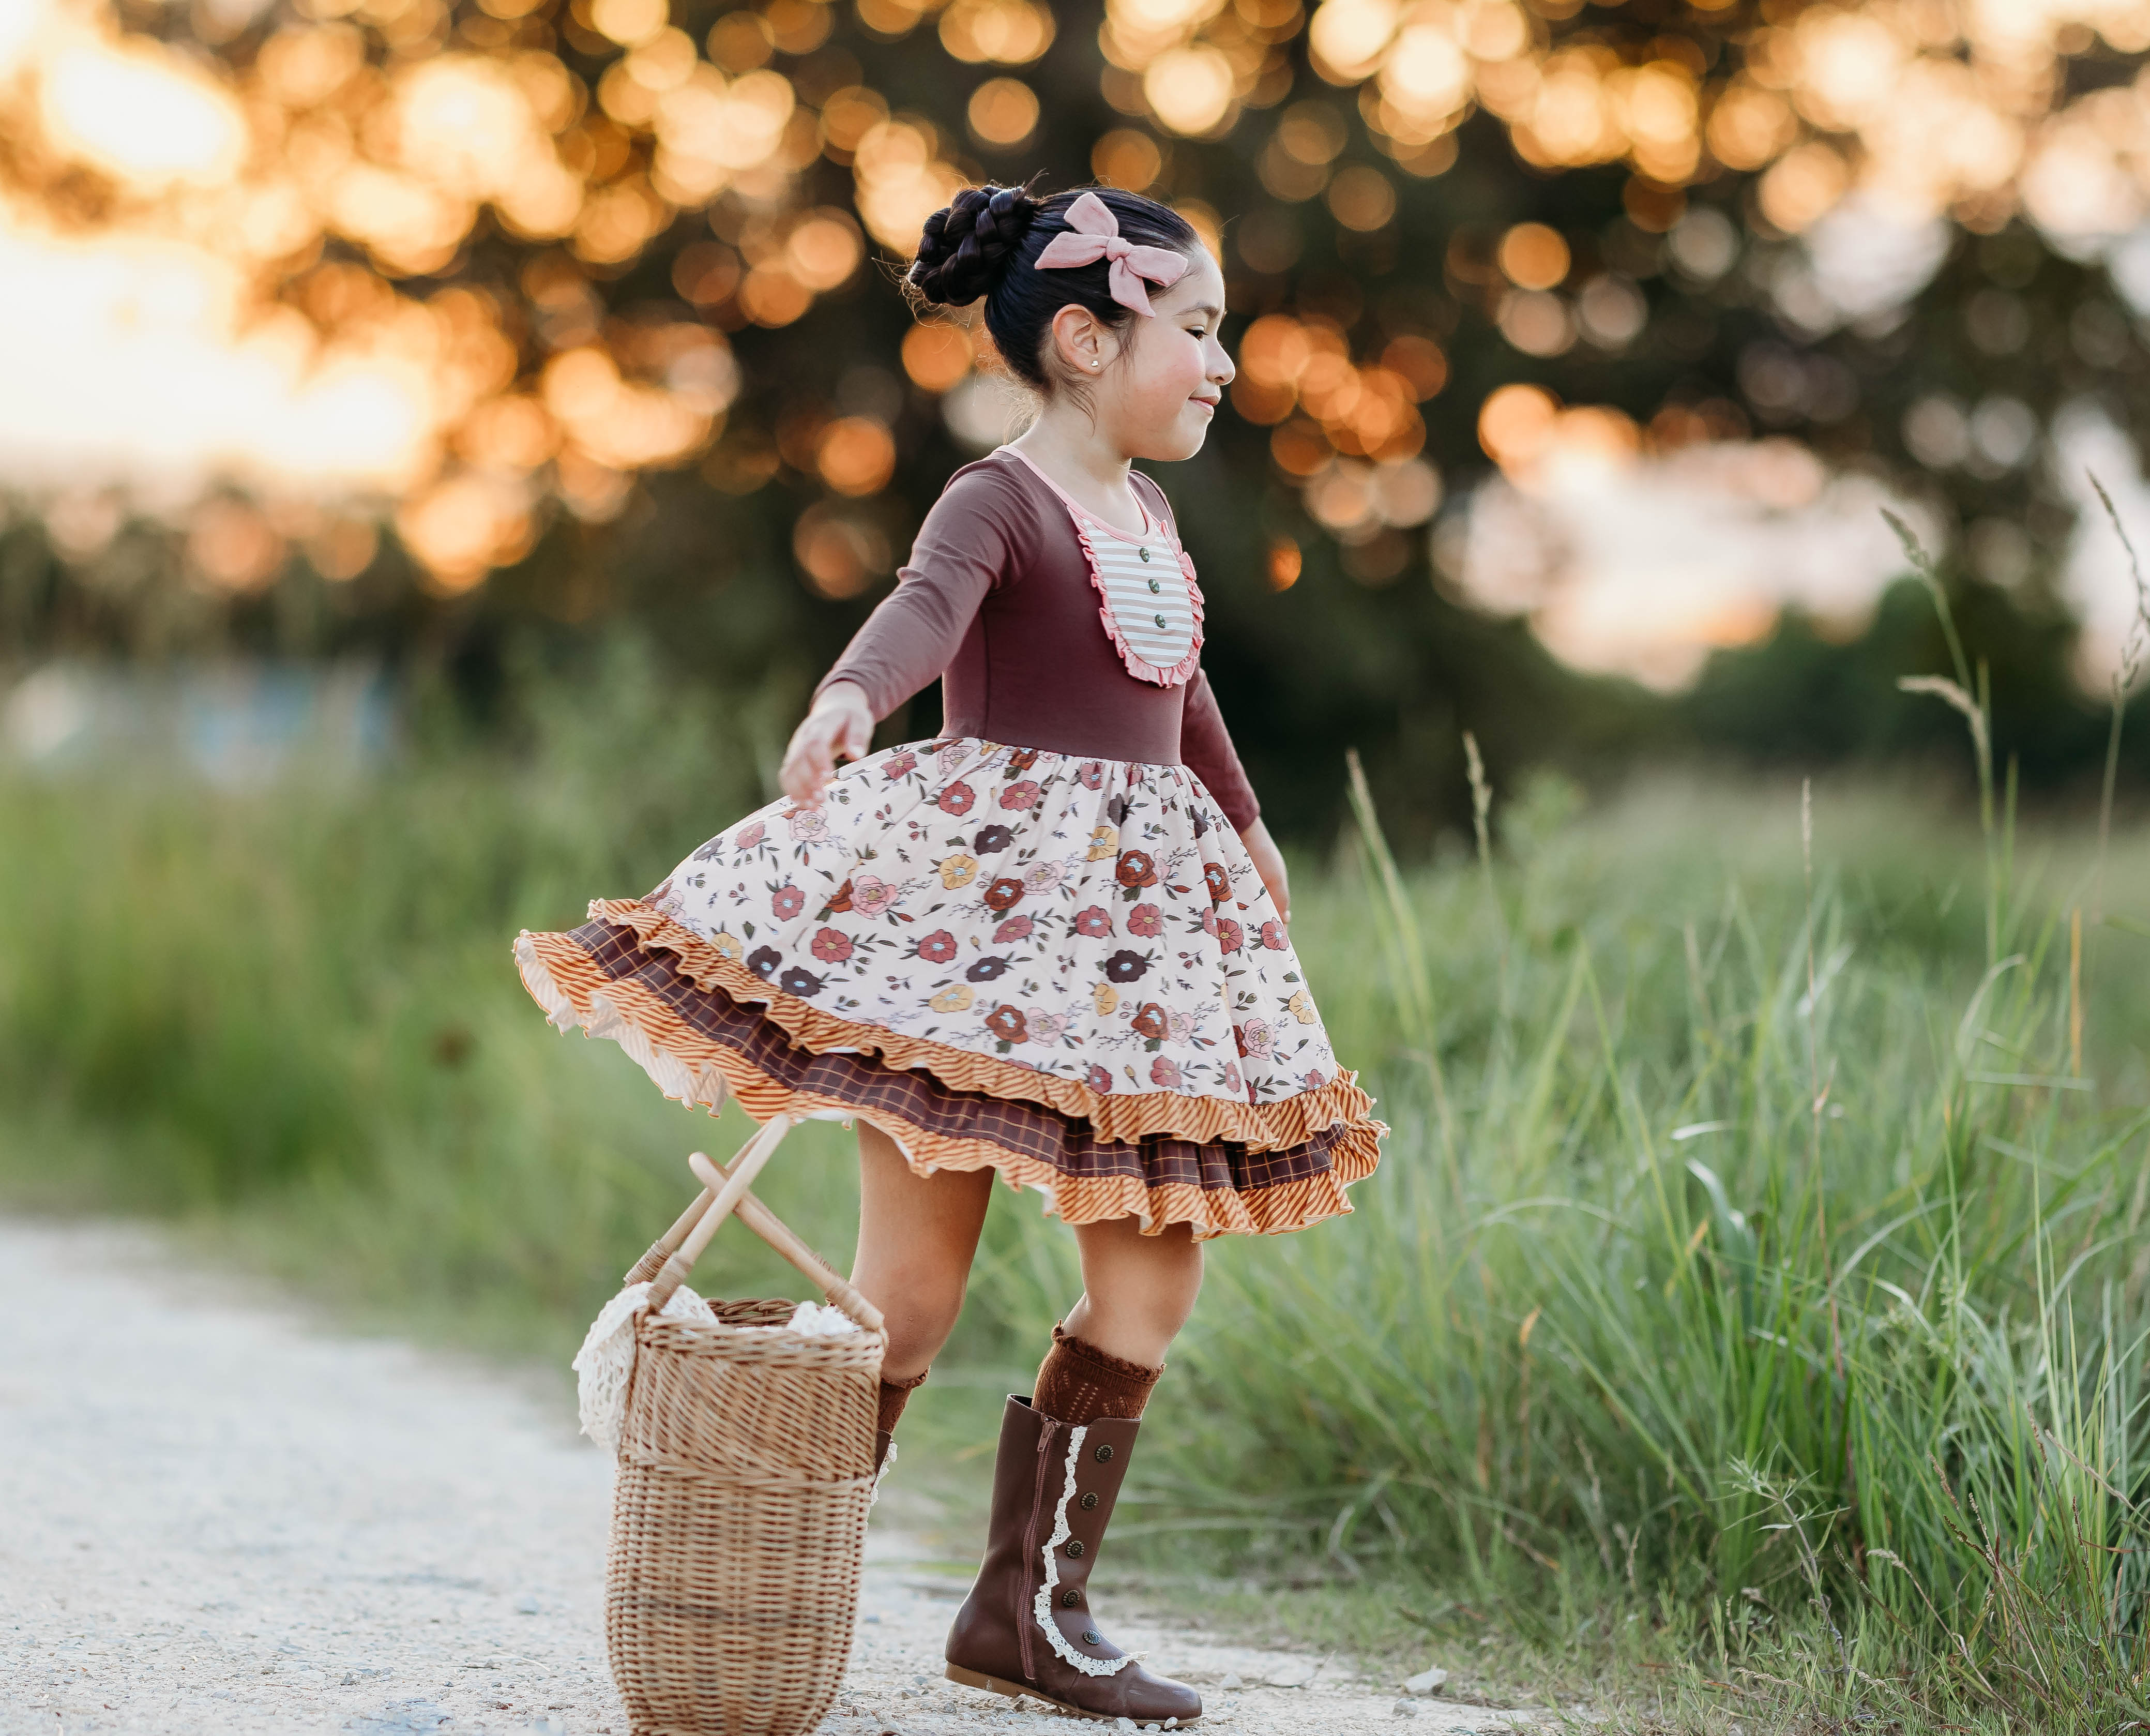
{"x":1042,"y":1605}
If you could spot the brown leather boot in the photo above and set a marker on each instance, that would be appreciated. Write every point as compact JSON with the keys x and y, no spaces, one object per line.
{"x":1026,"y":1626}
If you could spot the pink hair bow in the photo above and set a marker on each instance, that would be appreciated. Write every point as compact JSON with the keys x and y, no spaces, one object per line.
{"x":1093,"y":234}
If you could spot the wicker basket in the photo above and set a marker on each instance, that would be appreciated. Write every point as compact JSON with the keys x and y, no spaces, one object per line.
{"x":745,"y":1469}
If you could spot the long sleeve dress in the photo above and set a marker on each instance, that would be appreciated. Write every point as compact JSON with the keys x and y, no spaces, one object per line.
{"x":1034,"y":941}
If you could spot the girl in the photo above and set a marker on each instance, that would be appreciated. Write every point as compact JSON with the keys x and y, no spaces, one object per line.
{"x":1049,"y":942}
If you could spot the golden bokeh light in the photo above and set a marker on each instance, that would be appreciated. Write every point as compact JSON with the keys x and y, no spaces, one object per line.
{"x":461,"y":528}
{"x":840,"y":554}
{"x":855,"y":455}
{"x":1515,"y":423}
{"x":1362,"y":197}
{"x":629,"y":22}
{"x":825,"y":250}
{"x":232,"y":546}
{"x":141,"y":113}
{"x":1002,"y":112}
{"x":1190,"y":89}
{"x":1010,"y":32}
{"x":935,"y":356}
{"x":1418,"y":363}
{"x":1125,"y":157}
{"x":1533,"y":256}
{"x":1284,"y":564}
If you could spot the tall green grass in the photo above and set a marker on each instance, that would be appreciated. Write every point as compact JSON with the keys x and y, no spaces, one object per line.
{"x":1758,"y":1253}
{"x":1751,"y":1250}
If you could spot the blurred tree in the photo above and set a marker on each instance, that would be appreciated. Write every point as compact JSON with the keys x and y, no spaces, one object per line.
{"x":638,"y":261}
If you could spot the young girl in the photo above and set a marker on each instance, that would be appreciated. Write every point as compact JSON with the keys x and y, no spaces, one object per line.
{"x":1049,"y":942}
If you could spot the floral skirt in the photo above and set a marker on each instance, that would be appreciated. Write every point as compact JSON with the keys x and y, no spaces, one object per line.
{"x":1067,"y":969}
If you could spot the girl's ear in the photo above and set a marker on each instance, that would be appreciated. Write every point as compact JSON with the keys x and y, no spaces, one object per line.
{"x":1081,"y":341}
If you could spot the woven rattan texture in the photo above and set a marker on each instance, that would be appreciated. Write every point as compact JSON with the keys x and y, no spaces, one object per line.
{"x":739,"y":1523}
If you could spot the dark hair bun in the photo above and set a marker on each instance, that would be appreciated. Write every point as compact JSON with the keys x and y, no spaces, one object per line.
{"x":967,"y":244}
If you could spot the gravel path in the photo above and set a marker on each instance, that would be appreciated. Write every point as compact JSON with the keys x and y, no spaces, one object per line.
{"x":216,"y":1516}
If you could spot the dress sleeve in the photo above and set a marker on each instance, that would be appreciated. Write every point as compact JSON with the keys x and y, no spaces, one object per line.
{"x":1206,"y":746}
{"x":972,"y":542}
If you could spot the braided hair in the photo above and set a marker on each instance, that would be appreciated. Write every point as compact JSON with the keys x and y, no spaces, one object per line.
{"x":986,"y":242}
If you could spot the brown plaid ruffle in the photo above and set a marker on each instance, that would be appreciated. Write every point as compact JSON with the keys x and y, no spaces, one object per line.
{"x":700,"y":1043}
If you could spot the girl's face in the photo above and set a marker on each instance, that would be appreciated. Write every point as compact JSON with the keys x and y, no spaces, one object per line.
{"x":1163,"y":376}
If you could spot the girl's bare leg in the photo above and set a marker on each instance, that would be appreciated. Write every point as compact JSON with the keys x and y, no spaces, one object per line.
{"x":917,"y":1238}
{"x":1137,"y":1290}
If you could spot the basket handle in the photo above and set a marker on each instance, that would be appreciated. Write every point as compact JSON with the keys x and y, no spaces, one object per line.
{"x":731,"y":1189}
{"x":787,"y":1241}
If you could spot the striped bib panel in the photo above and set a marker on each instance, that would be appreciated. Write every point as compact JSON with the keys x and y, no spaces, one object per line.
{"x":1149,"y":606}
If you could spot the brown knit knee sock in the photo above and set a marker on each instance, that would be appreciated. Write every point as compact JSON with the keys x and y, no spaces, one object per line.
{"x":1078,"y":1383}
{"x":894,"y":1396}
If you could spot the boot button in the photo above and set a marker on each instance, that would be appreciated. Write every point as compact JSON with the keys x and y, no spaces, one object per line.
{"x":1069,"y":1599}
{"x":1091,"y":1637}
{"x":1089,"y":1501}
{"x":1074,"y":1546}
{"x":1104,"y":1454}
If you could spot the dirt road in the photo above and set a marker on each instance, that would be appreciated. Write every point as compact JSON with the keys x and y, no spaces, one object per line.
{"x":217,"y":1515}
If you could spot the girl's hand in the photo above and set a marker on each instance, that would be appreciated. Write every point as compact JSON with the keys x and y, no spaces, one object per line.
{"x":840,"y":726}
{"x":1268,"y":863}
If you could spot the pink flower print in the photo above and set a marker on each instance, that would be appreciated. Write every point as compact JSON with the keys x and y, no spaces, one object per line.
{"x":938,"y":947}
{"x":787,"y":901}
{"x":832,"y":947}
{"x":1254,"y":1038}
{"x":1209,"y":920}
{"x":1090,"y":773}
{"x":1016,"y":928}
{"x":1274,"y":936}
{"x":1178,"y":1027}
{"x":957,"y":799}
{"x":1232,"y":1083}
{"x":1314,"y":1079}
{"x":1219,"y":880}
{"x":1046,"y":1026}
{"x":1041,"y":877}
{"x":1094,"y":921}
{"x":749,"y":836}
{"x":1165,"y":1073}
{"x":1228,"y":935}
{"x":1099,"y":1079}
{"x":870,"y":894}
{"x":902,"y":766}
{"x":1146,"y":920}
{"x":1021,"y":795}
{"x":808,"y":825}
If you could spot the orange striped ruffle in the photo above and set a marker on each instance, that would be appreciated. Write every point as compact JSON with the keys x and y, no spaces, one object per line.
{"x":687,"y":1066}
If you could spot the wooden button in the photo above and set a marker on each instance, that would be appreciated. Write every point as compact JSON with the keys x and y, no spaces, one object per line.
{"x":1069,"y":1599}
